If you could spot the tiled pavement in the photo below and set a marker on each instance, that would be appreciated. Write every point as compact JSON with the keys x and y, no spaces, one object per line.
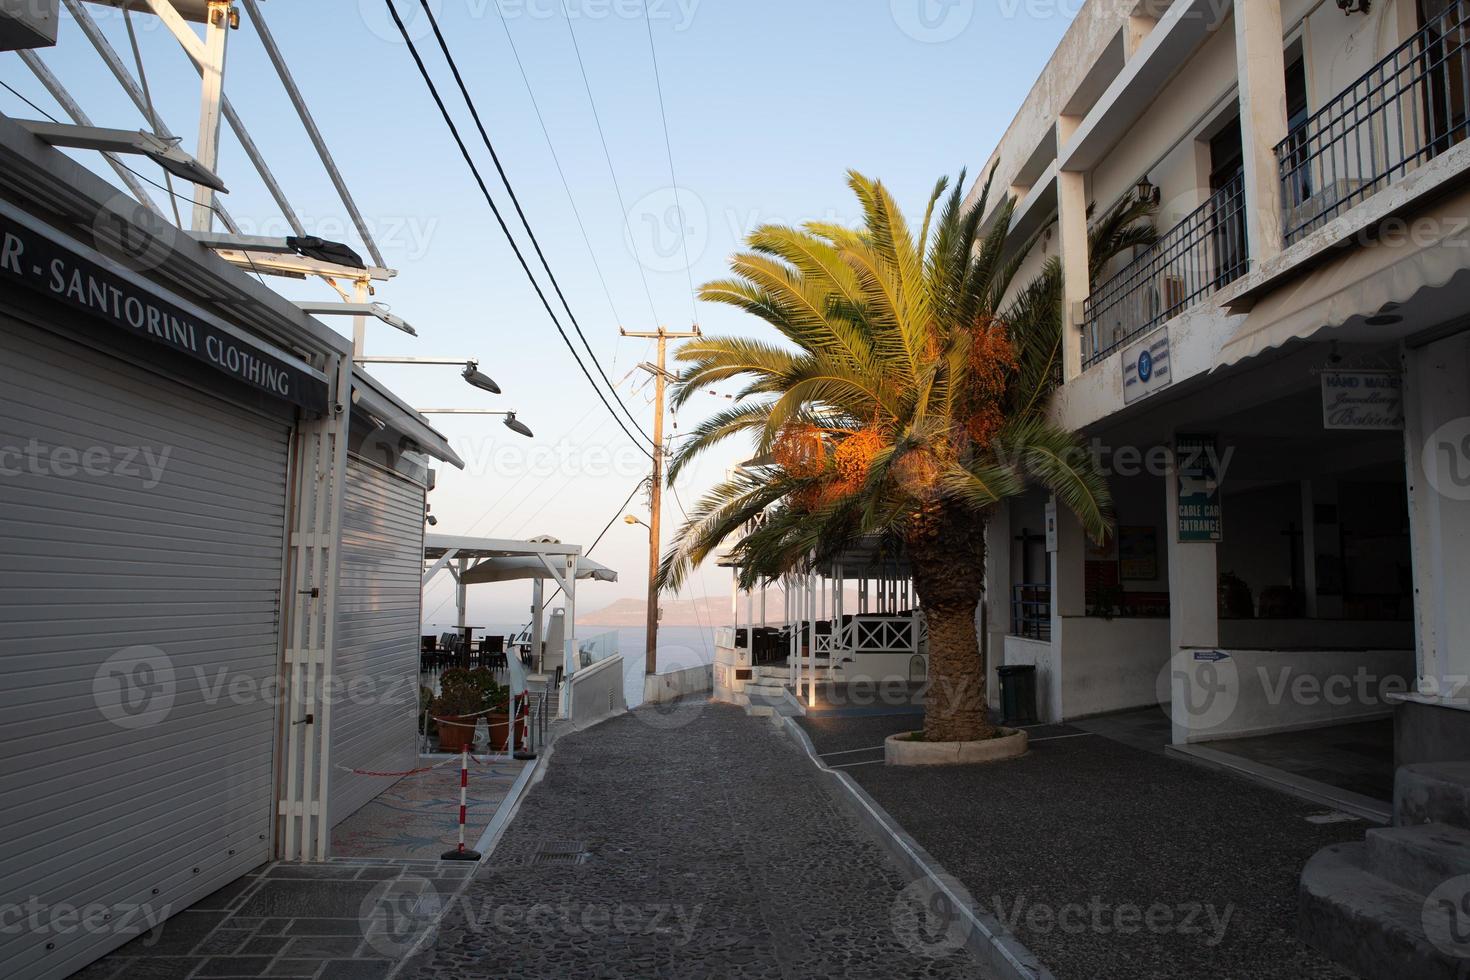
{"x":329,"y":921}
{"x":691,"y":841}
{"x":417,"y":816}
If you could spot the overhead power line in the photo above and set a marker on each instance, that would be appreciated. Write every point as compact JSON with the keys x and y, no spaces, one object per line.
{"x":561,"y":172}
{"x":504,"y":228}
{"x":607,"y":155}
{"x":669,"y":150}
{"x":520,"y":212}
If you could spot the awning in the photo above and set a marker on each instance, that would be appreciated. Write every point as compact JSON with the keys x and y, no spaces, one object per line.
{"x":373,"y":397}
{"x":1365,"y":280}
{"x":530,"y":567}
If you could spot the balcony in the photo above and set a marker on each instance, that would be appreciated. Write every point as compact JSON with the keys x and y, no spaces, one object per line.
{"x":1407,"y":109}
{"x":1199,"y":255}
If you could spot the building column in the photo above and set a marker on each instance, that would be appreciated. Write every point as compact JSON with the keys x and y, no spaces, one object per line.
{"x":1261,"y":69}
{"x":1437,"y":454}
{"x":1072,"y":238}
{"x":997,"y":601}
{"x":1068,"y":561}
{"x":1194,"y":612}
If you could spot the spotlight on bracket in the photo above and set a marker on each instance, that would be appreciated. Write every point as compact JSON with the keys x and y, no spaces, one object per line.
{"x":517,"y":427}
{"x":479,"y":379}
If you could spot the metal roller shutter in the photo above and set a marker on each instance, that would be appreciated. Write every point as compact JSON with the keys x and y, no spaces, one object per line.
{"x":139,"y":617}
{"x":375,"y":700}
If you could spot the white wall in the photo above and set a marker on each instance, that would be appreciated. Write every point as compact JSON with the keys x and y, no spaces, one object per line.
{"x":597,"y":692}
{"x":1255,"y":692}
{"x":673,"y":684}
{"x":1112,"y":665}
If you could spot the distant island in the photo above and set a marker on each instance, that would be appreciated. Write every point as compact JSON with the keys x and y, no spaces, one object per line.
{"x":707,"y":611}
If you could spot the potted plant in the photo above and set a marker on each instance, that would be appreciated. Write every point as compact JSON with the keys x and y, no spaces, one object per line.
{"x":456,"y":709}
{"x":465,"y":696}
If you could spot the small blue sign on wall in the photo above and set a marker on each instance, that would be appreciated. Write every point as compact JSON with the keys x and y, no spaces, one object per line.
{"x":1146,"y":366}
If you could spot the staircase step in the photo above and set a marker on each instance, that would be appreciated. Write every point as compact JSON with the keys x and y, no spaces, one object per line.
{"x":1432,"y":792}
{"x":1419,"y":858}
{"x":1371,"y":926}
{"x":768,"y":690}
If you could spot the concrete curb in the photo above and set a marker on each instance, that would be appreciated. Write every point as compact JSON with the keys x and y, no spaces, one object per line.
{"x":997,"y":949}
{"x":1310,"y":790}
{"x":532,"y":774}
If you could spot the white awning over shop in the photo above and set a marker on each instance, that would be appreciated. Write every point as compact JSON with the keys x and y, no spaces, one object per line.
{"x":1426,"y":253}
{"x":516,"y":568}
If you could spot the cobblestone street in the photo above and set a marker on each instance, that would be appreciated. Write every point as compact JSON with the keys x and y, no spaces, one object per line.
{"x":686,"y":842}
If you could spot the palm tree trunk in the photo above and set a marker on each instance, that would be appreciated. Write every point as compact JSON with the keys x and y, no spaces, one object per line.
{"x":948,"y":563}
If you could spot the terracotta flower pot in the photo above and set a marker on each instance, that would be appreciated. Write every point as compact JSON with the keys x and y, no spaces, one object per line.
{"x":499,"y":722}
{"x":457,"y":733}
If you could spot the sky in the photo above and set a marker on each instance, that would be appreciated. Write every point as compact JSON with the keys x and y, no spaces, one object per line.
{"x":768,"y":102}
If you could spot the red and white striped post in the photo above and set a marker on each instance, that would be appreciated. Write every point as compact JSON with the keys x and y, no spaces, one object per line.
{"x":459,"y":853}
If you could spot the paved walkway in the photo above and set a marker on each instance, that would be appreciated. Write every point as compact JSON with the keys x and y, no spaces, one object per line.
{"x":692,"y":842}
{"x":1107,"y":862}
{"x":417,"y":817}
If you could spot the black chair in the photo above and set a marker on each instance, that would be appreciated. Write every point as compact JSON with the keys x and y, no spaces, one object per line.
{"x":428,"y":647}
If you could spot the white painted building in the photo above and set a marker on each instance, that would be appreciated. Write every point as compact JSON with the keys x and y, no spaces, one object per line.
{"x":211,"y":534}
{"x":1302,"y":316}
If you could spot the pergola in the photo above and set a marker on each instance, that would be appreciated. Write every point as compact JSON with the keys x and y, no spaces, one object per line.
{"x":816,"y":594}
{"x":474,"y":561}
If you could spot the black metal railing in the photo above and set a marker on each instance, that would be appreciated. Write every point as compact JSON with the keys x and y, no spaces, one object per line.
{"x":1194,"y":258}
{"x":1406,"y":109}
{"x":1031,"y":611}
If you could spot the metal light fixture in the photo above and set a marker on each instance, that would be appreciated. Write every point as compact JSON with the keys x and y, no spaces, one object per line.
{"x":1354,"y":6}
{"x":517,"y":427}
{"x":479,"y":379}
{"x":510,"y":417}
{"x":1146,"y":191}
{"x":630,"y":519}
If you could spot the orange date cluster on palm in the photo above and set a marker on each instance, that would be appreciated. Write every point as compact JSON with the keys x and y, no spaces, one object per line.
{"x":992,"y":364}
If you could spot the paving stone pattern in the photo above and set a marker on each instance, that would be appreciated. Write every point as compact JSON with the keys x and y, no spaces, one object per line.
{"x":329,"y":921}
{"x":691,"y":841}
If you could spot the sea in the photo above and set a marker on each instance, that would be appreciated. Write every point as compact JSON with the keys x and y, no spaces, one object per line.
{"x":678,"y":646}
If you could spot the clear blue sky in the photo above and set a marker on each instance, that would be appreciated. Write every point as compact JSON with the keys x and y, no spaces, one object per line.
{"x":768,"y":104}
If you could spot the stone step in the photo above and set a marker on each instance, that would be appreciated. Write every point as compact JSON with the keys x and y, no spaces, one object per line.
{"x":769,"y":690}
{"x":1419,"y":858}
{"x":1432,"y":792}
{"x":1372,"y":926}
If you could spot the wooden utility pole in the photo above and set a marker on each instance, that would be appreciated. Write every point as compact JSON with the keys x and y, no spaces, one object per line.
{"x":661,"y":376}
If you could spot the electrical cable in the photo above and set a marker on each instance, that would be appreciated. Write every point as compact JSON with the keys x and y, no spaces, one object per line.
{"x":500,"y":219}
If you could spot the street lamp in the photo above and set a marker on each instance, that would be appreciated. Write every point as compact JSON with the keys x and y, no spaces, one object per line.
{"x":479,"y":379}
{"x":510,"y":421}
{"x":630,"y":519}
{"x":471,"y":373}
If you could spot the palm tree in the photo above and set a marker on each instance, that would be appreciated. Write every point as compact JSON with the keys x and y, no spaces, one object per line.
{"x":907,"y":405}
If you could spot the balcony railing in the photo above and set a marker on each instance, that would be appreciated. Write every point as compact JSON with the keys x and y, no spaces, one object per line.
{"x":1031,"y":611}
{"x":1406,"y":109}
{"x":1194,"y":258}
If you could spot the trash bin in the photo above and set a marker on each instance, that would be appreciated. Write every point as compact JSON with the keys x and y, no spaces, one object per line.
{"x":1017,"y":694}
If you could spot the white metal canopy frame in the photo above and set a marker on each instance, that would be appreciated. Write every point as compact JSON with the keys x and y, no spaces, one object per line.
{"x":298,"y":256}
{"x":473,"y":561}
{"x":887,"y":618}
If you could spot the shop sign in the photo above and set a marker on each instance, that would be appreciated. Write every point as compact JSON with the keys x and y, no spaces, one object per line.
{"x":1362,"y":400}
{"x":35,"y":262}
